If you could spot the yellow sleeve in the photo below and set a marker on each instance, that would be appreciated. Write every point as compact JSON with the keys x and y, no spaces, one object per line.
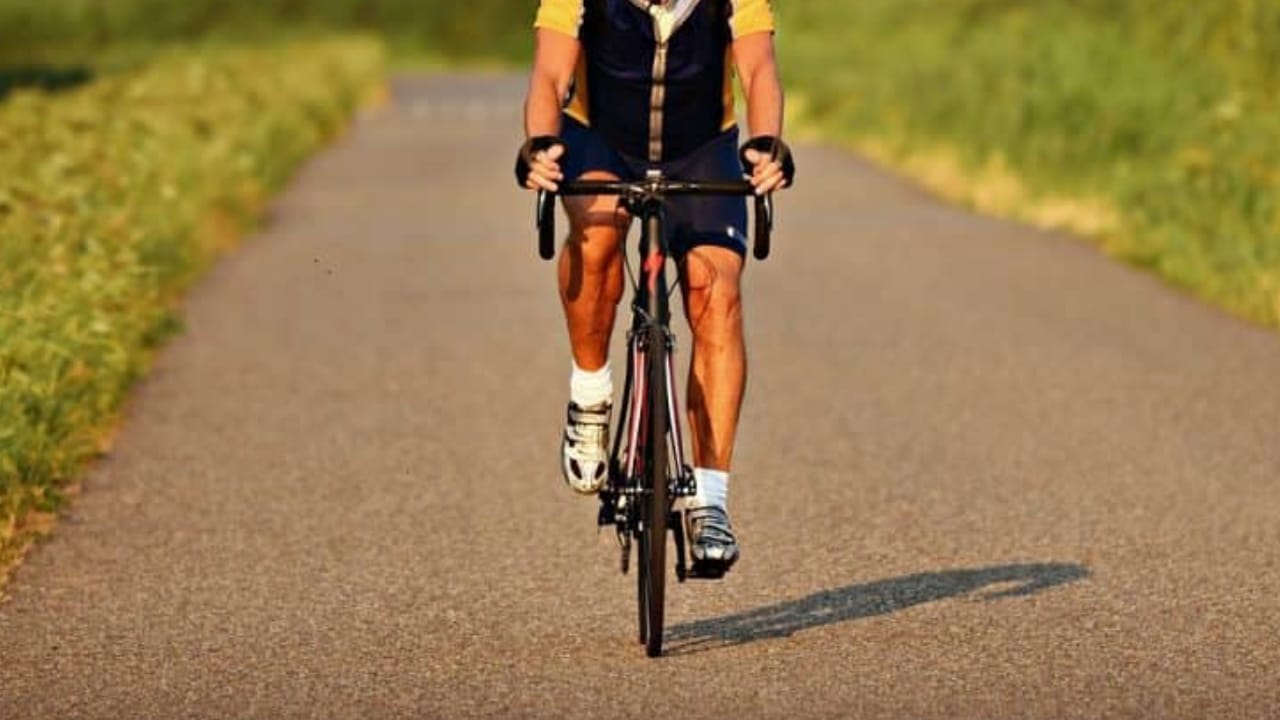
{"x":751,"y":16}
{"x":563,"y":16}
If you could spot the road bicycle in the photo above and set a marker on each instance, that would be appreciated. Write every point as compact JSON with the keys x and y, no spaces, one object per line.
{"x":647,"y":469}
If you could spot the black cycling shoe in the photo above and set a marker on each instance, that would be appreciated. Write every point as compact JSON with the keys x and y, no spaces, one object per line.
{"x":711,"y":542}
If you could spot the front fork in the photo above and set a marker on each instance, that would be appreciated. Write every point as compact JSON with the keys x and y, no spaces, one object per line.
{"x":619,"y":501}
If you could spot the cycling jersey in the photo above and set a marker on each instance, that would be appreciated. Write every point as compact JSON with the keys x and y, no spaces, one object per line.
{"x":655,"y":79}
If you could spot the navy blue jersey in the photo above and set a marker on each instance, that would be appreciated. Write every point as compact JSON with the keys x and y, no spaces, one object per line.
{"x":655,"y":79}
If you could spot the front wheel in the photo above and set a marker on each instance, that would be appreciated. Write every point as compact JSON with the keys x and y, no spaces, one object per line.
{"x":656,"y":505}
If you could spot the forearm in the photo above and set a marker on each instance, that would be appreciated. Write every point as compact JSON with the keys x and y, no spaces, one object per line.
{"x":765,"y":101}
{"x":542,"y":107}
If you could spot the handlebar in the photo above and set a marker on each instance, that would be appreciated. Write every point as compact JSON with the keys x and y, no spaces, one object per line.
{"x":653,"y":189}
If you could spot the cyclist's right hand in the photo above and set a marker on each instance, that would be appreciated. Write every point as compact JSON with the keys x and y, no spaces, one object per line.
{"x":538,"y":163}
{"x":768,"y":162}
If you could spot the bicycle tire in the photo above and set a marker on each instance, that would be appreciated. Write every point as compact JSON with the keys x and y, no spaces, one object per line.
{"x":653,"y":561}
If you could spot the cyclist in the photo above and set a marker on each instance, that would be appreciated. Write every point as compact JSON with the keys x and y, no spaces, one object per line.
{"x":619,"y":87}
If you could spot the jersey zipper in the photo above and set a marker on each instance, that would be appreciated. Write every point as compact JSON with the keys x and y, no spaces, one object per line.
{"x":665,"y":23}
{"x":657,"y":101}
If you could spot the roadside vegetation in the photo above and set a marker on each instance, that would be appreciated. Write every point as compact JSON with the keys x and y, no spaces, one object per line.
{"x":70,"y":31}
{"x":1150,"y":125}
{"x":113,"y":197}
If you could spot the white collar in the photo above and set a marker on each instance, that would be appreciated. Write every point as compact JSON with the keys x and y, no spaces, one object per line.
{"x":667,"y":21}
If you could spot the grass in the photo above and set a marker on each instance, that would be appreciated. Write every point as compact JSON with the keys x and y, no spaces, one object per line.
{"x":69,"y":31}
{"x":1150,"y":126}
{"x":113,"y":198}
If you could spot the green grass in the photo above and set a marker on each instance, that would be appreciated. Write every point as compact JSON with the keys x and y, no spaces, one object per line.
{"x":113,"y":197}
{"x":78,"y":30}
{"x":1160,"y":116}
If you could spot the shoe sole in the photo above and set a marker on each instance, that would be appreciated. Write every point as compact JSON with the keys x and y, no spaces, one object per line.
{"x":711,"y":569}
{"x":585,"y":493}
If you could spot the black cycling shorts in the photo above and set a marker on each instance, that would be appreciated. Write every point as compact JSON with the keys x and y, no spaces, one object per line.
{"x":691,"y":221}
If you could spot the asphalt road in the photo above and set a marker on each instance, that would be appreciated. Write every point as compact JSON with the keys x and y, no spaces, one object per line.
{"x":984,"y":472}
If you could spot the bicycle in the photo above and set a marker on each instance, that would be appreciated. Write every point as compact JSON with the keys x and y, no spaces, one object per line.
{"x":648,"y":474}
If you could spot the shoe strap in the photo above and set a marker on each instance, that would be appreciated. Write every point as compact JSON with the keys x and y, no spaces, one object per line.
{"x":712,"y":524}
{"x":714,"y":513}
{"x":589,"y":416}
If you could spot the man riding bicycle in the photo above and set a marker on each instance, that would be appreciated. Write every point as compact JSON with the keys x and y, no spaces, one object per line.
{"x":618,"y":88}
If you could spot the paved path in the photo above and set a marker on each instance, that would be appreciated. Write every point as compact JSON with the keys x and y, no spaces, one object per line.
{"x":984,"y":473}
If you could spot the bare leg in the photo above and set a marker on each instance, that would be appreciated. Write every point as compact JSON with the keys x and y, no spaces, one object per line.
{"x":590,"y":270}
{"x":718,"y":367}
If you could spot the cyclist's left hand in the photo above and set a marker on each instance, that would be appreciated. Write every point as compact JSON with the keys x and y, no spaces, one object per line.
{"x":770,"y":163}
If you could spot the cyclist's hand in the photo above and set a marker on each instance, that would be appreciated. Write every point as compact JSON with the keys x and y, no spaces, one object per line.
{"x":766,"y":174}
{"x":769,"y":164}
{"x":538,"y":164}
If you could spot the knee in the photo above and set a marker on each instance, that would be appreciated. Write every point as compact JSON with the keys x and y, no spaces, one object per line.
{"x":713,"y":299}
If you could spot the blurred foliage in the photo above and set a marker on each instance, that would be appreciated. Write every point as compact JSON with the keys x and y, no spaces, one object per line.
{"x":1166,"y":110}
{"x":112,"y":198}
{"x":71,"y":30}
{"x":49,"y":78}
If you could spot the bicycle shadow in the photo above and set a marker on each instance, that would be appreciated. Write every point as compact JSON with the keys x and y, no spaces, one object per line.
{"x":866,"y":600}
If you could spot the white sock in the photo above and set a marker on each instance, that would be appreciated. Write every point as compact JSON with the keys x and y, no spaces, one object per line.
{"x":713,"y":488}
{"x":591,"y":387}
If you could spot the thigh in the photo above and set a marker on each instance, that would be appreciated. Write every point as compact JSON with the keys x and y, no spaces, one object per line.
{"x":589,"y":157}
{"x":714,"y":221}
{"x":588,"y":212}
